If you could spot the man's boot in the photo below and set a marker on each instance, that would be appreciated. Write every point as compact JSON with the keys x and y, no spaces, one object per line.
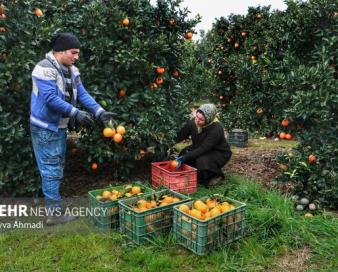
{"x":214,"y":181}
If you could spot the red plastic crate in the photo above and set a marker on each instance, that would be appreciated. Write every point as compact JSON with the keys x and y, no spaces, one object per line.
{"x":183,"y":180}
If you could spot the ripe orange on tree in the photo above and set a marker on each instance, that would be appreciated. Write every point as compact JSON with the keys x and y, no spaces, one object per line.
{"x":288,"y":136}
{"x":312,"y":158}
{"x":188,"y":35}
{"x":152,"y":86}
{"x":120,"y":130}
{"x":244,"y":33}
{"x":125,"y":22}
{"x":282,"y":135}
{"x":159,"y":80}
{"x":118,"y":138}
{"x":236,"y":45}
{"x":3,"y":16}
{"x":122,"y":93}
{"x":94,"y":166}
{"x":259,"y":111}
{"x":108,"y":132}
{"x":38,"y":12}
{"x":285,"y":122}
{"x":160,"y":70}
{"x":175,"y":73}
{"x":2,"y":29}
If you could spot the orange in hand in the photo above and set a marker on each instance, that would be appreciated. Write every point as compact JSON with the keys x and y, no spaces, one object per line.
{"x":174,"y":164}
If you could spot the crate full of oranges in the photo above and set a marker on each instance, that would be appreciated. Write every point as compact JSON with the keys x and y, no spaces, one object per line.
{"x":146,"y":216}
{"x":205,"y":224}
{"x":103,"y":203}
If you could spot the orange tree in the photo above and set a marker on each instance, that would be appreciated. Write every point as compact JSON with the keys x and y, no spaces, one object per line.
{"x":275,"y":66}
{"x":123,"y":44}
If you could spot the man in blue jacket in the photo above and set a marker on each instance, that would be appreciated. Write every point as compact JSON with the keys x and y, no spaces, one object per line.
{"x":56,"y":88}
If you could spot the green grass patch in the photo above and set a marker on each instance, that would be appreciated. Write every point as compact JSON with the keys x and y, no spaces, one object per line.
{"x":274,"y":231}
{"x":270,"y":144}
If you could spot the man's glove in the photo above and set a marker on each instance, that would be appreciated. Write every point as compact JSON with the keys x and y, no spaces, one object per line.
{"x":180,"y":162}
{"x":106,"y":116}
{"x":84,"y":118}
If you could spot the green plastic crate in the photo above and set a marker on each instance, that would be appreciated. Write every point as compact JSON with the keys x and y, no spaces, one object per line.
{"x":105,"y":215}
{"x":139,"y":227}
{"x":203,"y":236}
{"x":238,"y":137}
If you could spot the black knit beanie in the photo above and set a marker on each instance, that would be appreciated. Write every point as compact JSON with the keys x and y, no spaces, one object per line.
{"x":64,"y":41}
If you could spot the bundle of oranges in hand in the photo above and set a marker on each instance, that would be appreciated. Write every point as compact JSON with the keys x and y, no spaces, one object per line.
{"x":115,"y":134}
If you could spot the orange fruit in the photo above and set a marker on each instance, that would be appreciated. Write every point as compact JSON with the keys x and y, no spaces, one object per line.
{"x":236,"y":45}
{"x":253,"y":57}
{"x":136,"y":190}
{"x":2,"y":29}
{"x":211,"y":203}
{"x":175,"y":73}
{"x":288,"y":136}
{"x":168,"y":199}
{"x":184,"y":208}
{"x":38,"y":12}
{"x":312,"y":158}
{"x":151,"y":204}
{"x":3,"y":16}
{"x":215,"y":212}
{"x":108,"y":132}
{"x":106,"y":194}
{"x":188,"y":35}
{"x":244,"y":33}
{"x":196,"y":213}
{"x":94,"y":166}
{"x":259,"y":110}
{"x":285,"y":122}
{"x":282,"y":135}
{"x":173,"y":163}
{"x":120,"y":130}
{"x":160,"y":70}
{"x":118,"y":138}
{"x":122,"y":93}
{"x":152,"y":86}
{"x":125,"y":22}
{"x":201,"y":206}
{"x":159,"y":80}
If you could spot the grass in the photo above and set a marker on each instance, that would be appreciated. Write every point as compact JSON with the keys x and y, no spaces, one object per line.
{"x":270,"y":144}
{"x":274,"y":235}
